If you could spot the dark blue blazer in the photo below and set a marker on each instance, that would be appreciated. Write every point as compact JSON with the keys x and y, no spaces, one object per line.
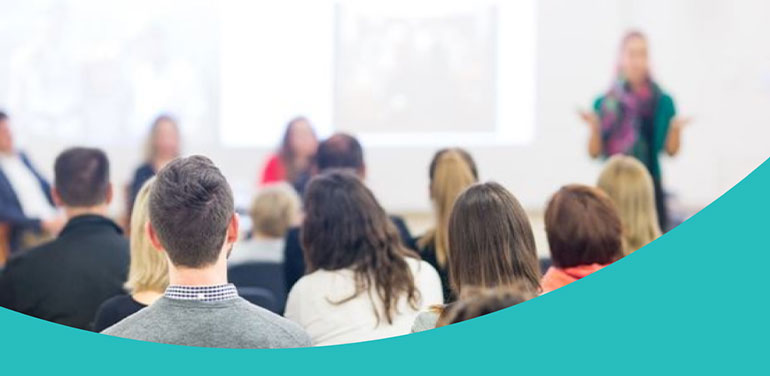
{"x":11,"y":212}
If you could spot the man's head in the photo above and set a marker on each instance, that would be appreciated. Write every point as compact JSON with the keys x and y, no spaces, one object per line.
{"x":340,"y":151}
{"x":192,"y":215}
{"x":82,"y":178}
{"x":6,"y":139}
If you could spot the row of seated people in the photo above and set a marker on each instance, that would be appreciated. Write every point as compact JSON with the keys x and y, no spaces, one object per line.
{"x":351,"y":273}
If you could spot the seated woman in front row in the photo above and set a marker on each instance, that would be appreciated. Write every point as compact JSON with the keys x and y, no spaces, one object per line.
{"x":275,"y":209}
{"x":147,"y":274}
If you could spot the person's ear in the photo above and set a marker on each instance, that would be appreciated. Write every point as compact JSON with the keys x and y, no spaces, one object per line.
{"x":108,"y":194}
{"x":56,"y":197}
{"x":153,"y":236}
{"x":232,"y":229}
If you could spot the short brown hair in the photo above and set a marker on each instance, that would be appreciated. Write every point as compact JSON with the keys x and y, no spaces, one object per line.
{"x":583,"y":227}
{"x":191,"y":205}
{"x":82,"y":177}
{"x":477,"y":302}
{"x":490,"y":240}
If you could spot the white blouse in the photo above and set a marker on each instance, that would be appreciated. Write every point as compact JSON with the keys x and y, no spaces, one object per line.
{"x":311,"y":305}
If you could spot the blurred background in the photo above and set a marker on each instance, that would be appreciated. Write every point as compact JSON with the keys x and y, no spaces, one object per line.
{"x":505,"y":79}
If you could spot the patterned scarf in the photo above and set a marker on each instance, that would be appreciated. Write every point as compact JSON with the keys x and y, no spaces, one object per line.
{"x":622,"y":113}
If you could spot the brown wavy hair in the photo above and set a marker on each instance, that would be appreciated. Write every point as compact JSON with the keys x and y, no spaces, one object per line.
{"x":346,"y":228}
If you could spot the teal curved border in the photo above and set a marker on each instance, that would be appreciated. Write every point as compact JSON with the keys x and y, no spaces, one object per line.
{"x":694,"y":301}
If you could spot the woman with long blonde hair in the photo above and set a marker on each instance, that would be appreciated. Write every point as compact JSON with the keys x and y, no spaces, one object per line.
{"x":630,"y":186}
{"x":148,"y":272}
{"x":452,"y":170}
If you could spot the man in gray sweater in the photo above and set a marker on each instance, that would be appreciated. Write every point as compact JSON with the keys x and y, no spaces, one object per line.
{"x":192,"y":220}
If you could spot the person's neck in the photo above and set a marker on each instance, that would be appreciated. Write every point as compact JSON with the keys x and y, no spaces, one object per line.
{"x":209,"y":276}
{"x":72,"y":212}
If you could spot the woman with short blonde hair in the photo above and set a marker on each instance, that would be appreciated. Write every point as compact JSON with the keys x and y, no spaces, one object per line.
{"x":631,"y":189}
{"x":148,"y":272}
{"x":275,"y":209}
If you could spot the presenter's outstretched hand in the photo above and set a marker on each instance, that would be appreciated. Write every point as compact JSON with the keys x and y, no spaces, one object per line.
{"x":674,"y":138}
{"x":595,"y":138}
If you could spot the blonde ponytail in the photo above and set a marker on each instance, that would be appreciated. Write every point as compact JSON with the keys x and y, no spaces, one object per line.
{"x":452,"y":171}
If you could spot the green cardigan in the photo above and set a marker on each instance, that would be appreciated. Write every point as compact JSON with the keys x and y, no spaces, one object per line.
{"x":664,"y":112}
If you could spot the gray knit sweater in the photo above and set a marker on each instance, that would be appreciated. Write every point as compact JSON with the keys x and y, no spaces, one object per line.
{"x":233,"y":323}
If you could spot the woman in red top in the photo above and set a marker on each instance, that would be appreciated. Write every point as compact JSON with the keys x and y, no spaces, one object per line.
{"x":584,"y":232}
{"x":293,"y":160}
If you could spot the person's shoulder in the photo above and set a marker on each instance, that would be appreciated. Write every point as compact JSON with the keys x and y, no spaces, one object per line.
{"x":128,"y":326}
{"x":33,"y":255}
{"x":419,"y":266}
{"x":666,"y":99}
{"x":283,"y":331}
{"x":597,"y":103}
{"x":425,"y":320}
{"x":116,"y":302}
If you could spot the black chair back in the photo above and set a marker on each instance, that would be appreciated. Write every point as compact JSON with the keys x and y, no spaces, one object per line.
{"x":266,"y":275}
{"x":261,"y":297}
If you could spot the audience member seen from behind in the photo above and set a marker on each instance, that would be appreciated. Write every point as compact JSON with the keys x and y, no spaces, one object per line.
{"x":363,"y":284}
{"x":294,"y":159}
{"x":340,"y":151}
{"x":67,"y":279}
{"x":162,"y":147}
{"x":477,"y":302}
{"x":275,"y":209}
{"x":26,"y":205}
{"x":147,"y":273}
{"x":491,"y":244}
{"x":630,"y":186}
{"x":584,"y":232}
{"x":192,"y":220}
{"x":451,"y":172}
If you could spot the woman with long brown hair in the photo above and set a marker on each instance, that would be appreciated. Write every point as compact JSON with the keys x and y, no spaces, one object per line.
{"x":491,"y":244}
{"x":293,"y":160}
{"x":162,"y":146}
{"x":362,"y":283}
{"x":451,"y":171}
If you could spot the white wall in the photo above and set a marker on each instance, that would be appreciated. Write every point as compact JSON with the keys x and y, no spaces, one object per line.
{"x":711,"y":55}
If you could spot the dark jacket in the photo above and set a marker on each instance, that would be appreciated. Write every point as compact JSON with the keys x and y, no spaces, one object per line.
{"x":10,"y":207}
{"x":66,"y":280}
{"x":294,"y":259}
{"x":428,"y":254}
{"x":141,"y":175}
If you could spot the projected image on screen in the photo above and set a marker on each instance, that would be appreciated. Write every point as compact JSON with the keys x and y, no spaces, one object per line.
{"x":401,"y":69}
{"x":99,"y":72}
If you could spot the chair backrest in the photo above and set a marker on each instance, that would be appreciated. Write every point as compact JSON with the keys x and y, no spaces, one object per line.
{"x":259,"y":296}
{"x":266,"y":275}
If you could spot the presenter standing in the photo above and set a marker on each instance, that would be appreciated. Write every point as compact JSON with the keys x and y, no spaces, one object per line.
{"x":636,"y":117}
